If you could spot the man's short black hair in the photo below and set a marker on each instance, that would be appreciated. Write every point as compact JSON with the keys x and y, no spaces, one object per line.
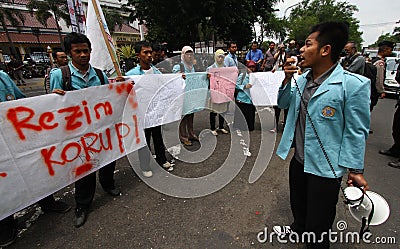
{"x":254,"y":42}
{"x":335,"y":34}
{"x":231,"y":43}
{"x":271,"y":42}
{"x":156,"y":47}
{"x":75,"y":38}
{"x":141,"y":44}
{"x":55,"y":51}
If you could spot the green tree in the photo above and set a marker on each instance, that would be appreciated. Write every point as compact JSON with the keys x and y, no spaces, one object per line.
{"x":311,"y":12}
{"x":183,"y":22}
{"x":114,"y":18}
{"x":44,"y":10}
{"x":15,"y":18}
{"x":394,"y":37}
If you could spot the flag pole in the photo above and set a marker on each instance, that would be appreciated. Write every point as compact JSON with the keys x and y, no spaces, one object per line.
{"x":105,"y":37}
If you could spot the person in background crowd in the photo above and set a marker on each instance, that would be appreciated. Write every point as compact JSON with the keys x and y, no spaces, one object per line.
{"x":60,"y":59}
{"x":144,"y":53}
{"x":243,"y":99}
{"x":353,"y":61}
{"x":255,"y":55}
{"x":269,"y":59}
{"x":8,"y":226}
{"x":394,"y":151}
{"x":83,"y":75}
{"x":291,"y":50}
{"x":338,"y":105}
{"x":385,"y":50}
{"x":280,"y":59}
{"x":231,"y":58}
{"x":186,"y":132}
{"x":16,"y":67}
{"x":218,"y":109}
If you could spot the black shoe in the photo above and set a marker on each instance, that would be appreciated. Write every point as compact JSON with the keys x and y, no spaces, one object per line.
{"x":7,"y":237}
{"x":389,"y":152}
{"x":395,"y":164}
{"x":80,"y":217}
{"x":57,"y":207}
{"x":113,"y":191}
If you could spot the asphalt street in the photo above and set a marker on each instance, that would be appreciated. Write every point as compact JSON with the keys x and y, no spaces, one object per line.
{"x":231,"y":217}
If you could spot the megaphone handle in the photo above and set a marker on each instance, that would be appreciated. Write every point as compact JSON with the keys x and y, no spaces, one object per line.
{"x":366,"y":222}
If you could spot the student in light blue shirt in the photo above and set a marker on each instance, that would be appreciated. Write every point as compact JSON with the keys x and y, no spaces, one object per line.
{"x":243,"y":99}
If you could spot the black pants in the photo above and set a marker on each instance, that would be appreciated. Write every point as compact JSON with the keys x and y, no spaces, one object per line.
{"x":249,"y":113}
{"x":7,"y":224}
{"x":221,"y":120}
{"x":278,"y":114}
{"x":396,"y":131}
{"x":86,"y":186}
{"x":158,"y":143}
{"x":313,"y":202}
{"x":374,"y":100}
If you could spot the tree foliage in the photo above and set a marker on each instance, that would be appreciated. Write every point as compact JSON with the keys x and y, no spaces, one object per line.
{"x":43,"y":10}
{"x":15,"y":18}
{"x":114,"y":18}
{"x":311,"y":12}
{"x":183,"y":22}
{"x":394,"y":37}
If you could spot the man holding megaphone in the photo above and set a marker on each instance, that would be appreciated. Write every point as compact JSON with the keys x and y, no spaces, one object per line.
{"x":327,"y":124}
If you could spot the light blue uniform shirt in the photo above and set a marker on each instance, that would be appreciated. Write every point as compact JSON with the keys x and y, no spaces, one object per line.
{"x":243,"y":94}
{"x":231,"y":60}
{"x":340,"y":112}
{"x":138,"y":71}
{"x":8,"y":89}
{"x":177,"y":69}
{"x":78,"y":80}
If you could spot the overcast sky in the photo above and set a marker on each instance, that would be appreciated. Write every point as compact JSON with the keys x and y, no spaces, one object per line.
{"x":376,"y":16}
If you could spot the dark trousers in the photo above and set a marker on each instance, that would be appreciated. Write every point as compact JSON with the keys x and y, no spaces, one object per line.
{"x":47,"y":201}
{"x":396,"y":131}
{"x":86,"y":186}
{"x":186,"y":131}
{"x":221,"y":120}
{"x":7,"y":224}
{"x":278,"y":114}
{"x":249,"y":113}
{"x":374,"y":100}
{"x":313,"y":202}
{"x":158,"y":143}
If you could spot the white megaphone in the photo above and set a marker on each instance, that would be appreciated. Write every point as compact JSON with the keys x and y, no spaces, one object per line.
{"x":362,"y":205}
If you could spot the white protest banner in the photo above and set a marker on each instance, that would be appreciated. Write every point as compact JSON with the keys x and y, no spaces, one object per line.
{"x":264,"y":91}
{"x":160,"y":97}
{"x":222,"y":84}
{"x":196,"y":92}
{"x":101,"y":57}
{"x":50,"y":141}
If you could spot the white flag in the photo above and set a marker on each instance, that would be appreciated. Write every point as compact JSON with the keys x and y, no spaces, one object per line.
{"x":100,"y":56}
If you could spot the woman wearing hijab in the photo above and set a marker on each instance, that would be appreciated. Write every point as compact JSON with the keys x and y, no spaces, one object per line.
{"x":186,"y":132}
{"x":218,"y":108}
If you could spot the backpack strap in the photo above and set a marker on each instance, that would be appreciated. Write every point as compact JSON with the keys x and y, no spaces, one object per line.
{"x":182,"y":67}
{"x":100,"y":75}
{"x":66,"y":78}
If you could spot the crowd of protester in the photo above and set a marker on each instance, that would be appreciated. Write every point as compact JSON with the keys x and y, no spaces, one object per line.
{"x":154,"y":59}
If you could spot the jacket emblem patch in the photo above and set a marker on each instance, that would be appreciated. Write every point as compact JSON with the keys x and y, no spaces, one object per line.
{"x":328,"y":111}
